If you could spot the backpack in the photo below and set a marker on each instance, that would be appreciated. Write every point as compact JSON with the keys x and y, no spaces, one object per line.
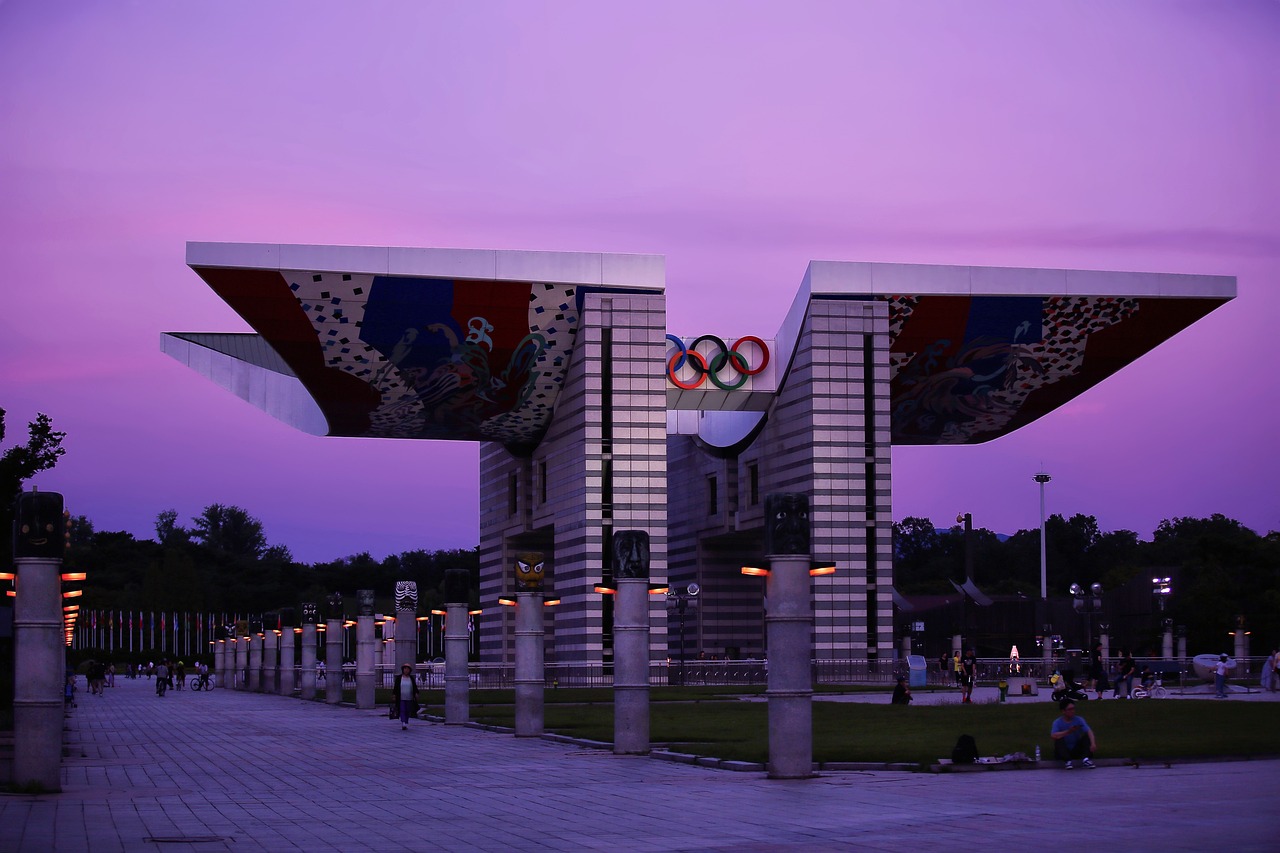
{"x":966,"y":751}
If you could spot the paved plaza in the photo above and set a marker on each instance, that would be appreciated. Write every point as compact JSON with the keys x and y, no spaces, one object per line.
{"x":234,"y":771}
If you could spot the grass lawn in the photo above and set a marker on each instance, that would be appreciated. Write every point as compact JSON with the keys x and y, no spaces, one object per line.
{"x":706,"y":722}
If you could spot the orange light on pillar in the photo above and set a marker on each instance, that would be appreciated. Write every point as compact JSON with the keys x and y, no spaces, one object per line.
{"x":506,"y":602}
{"x":7,"y":576}
{"x":823,"y":570}
{"x":440,"y":612}
{"x":67,"y":577}
{"x":605,"y":590}
{"x":755,"y":571}
{"x":73,"y":593}
{"x":474,"y":612}
{"x":551,"y":602}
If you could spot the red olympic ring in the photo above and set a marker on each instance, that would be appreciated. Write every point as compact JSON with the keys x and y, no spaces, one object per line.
{"x":727,"y":356}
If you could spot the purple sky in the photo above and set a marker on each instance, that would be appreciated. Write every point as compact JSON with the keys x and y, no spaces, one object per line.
{"x":740,"y":140}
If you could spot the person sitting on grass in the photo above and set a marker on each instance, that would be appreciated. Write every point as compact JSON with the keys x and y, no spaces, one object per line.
{"x":901,"y":693}
{"x":1073,"y":740}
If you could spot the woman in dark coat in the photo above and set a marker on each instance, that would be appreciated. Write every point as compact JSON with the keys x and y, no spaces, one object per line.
{"x":406,"y":693}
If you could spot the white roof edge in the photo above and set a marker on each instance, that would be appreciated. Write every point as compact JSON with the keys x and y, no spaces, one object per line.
{"x":586,"y":268}
{"x":852,"y":278}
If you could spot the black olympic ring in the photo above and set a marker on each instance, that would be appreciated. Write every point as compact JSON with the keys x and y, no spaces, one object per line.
{"x":728,"y":356}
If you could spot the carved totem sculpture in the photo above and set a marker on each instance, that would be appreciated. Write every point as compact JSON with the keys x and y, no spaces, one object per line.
{"x":37,"y":526}
{"x":407,"y":595}
{"x":631,"y":554}
{"x":530,"y":571}
{"x":786,"y":529}
{"x":364,"y":598}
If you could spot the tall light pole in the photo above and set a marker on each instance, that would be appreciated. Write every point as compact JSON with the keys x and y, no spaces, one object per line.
{"x":1042,"y":478}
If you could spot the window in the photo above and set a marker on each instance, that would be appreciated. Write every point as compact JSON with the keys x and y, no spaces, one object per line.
{"x":713,"y":496}
{"x":513,"y":494}
{"x":753,"y":482}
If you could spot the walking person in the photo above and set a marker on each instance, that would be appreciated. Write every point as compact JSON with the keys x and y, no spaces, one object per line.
{"x":1274,"y":664}
{"x":1097,"y":672}
{"x":1220,"y":675}
{"x":969,"y":675}
{"x":162,"y":679}
{"x":1073,"y":740}
{"x":407,"y":693}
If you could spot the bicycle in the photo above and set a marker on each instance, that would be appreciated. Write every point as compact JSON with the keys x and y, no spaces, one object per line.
{"x":196,"y":685}
{"x":1155,"y":691}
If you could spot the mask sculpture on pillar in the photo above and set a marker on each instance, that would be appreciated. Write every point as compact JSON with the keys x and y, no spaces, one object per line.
{"x":38,"y":525}
{"x":530,"y":567}
{"x":310,"y":613}
{"x":457,"y":586}
{"x":631,"y":554}
{"x":786,"y":523}
{"x":335,"y":605}
{"x":364,"y":597}
{"x":407,"y":595}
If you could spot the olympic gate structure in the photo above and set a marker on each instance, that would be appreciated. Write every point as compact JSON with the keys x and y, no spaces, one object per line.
{"x":593,"y":418}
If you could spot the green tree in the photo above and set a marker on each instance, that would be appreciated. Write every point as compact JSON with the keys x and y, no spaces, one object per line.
{"x":230,"y":531}
{"x":19,"y":464}
{"x":168,"y":532}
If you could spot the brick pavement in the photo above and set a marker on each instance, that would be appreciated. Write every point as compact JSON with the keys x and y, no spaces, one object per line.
{"x":241,"y":772}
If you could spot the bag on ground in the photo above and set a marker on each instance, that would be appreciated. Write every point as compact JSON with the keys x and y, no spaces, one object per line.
{"x":966,"y":750}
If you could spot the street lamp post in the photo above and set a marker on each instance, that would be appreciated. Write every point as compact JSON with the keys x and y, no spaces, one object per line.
{"x":1042,"y":478}
{"x":680,"y":602}
{"x":1088,"y":605}
{"x":1161,"y":589}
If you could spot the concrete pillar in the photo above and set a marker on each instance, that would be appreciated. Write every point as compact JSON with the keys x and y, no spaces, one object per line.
{"x":1182,"y":646}
{"x":255,"y":664}
{"x":1166,"y":646}
{"x":1241,"y":650}
{"x":364,"y":650}
{"x":241,"y":675}
{"x":457,"y":700}
{"x":406,"y":639}
{"x":530,"y":678}
{"x":270,"y":661}
{"x":387,"y":648}
{"x":789,"y":624}
{"x":220,"y":663}
{"x":39,"y":667}
{"x":333,"y":661}
{"x":288,"y":661}
{"x":307,"y":674}
{"x":1104,"y":640}
{"x":631,"y":666}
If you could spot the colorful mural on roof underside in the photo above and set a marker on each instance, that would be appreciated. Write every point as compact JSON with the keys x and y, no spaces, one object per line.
{"x":400,"y":357}
{"x":967,"y":369}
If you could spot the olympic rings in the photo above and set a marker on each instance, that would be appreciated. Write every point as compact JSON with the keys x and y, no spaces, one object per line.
{"x":728,"y":356}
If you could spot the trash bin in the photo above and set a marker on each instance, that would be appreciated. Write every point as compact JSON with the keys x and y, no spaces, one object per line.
{"x":917,"y":671}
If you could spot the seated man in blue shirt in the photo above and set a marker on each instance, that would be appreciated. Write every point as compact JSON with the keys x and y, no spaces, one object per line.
{"x":1072,"y":737}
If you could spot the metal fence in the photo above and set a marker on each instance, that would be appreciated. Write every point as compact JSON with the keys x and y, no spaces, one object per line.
{"x":857,"y":671}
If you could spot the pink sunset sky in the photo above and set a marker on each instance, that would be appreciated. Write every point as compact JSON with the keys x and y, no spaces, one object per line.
{"x":738,"y":139}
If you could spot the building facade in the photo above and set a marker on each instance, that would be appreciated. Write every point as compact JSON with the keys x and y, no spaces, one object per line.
{"x":594,"y":418}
